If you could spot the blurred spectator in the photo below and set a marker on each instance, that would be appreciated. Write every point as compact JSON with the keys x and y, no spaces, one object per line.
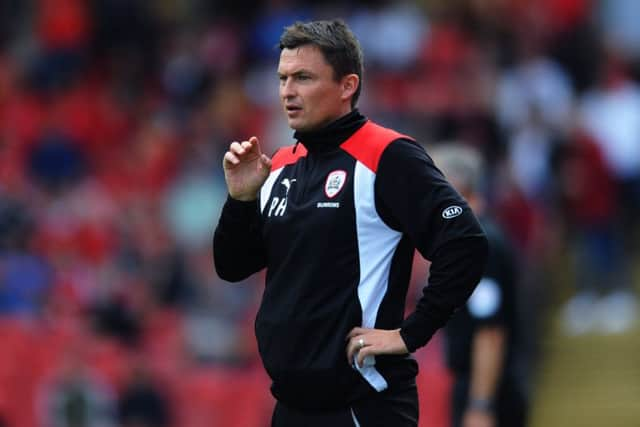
{"x":216,"y":320}
{"x":25,"y":277}
{"x":589,"y":195}
{"x":610,"y":113}
{"x":64,"y":31}
{"x":265,"y":32}
{"x":57,"y":161}
{"x":76,"y":397}
{"x":141,"y":402}
{"x":533,"y":104}
{"x":192,"y":204}
{"x":220,"y":48}
{"x":618,"y":19}
{"x":534,"y":85}
{"x":481,"y":338}
{"x":530,"y":150}
{"x":25,"y":280}
{"x":391,"y":33}
{"x":113,"y":317}
{"x":126,"y":39}
{"x":185,"y":77}
{"x":12,"y":17}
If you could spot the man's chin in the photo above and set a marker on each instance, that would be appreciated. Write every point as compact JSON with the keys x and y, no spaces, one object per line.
{"x":296,"y":125}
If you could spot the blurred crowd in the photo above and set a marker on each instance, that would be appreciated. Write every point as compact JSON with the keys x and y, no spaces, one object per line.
{"x":115,"y":115}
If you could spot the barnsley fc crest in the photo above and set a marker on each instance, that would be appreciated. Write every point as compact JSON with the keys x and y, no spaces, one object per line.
{"x":335,"y":182}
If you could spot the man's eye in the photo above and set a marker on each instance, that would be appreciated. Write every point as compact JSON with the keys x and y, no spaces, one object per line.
{"x":303,"y":77}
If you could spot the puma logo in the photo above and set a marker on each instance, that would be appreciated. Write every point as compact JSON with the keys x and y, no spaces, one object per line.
{"x":287,"y":184}
{"x":279,"y":205}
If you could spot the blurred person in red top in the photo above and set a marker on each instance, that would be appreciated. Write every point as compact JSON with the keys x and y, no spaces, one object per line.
{"x":610,"y":113}
{"x":588,"y":194}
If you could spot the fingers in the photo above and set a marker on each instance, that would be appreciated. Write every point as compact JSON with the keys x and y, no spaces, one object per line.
{"x":266,"y":161}
{"x":235,"y":155}
{"x":355,"y":345}
{"x":356,"y":331}
{"x":244,"y":147}
{"x":239,"y":149}
{"x":363,"y":342}
{"x":245,"y":151}
{"x":359,"y":347}
{"x":254,"y":141}
{"x":355,"y":342}
{"x":230,"y":159}
{"x":252,"y":145}
{"x":364,"y":352}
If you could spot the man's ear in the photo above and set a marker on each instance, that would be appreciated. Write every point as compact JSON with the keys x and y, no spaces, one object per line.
{"x":350,"y":84}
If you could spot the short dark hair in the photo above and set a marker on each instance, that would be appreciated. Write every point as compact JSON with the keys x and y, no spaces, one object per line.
{"x":338,"y":44}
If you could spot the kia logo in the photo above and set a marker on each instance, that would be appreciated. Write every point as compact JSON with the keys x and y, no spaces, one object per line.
{"x":451,"y":212}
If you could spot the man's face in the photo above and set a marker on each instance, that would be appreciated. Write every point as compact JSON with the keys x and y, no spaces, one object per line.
{"x":310,"y":96}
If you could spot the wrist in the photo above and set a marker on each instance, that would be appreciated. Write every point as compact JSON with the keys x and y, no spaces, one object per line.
{"x":480,"y":404}
{"x":239,"y":209}
{"x":244,"y":197}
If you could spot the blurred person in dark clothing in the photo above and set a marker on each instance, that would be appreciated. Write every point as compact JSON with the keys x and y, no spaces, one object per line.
{"x":480,"y":337}
{"x":114,"y":317}
{"x":336,"y":219}
{"x":141,"y":403}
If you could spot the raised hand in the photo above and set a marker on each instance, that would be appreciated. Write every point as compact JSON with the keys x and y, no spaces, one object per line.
{"x":245,"y":169}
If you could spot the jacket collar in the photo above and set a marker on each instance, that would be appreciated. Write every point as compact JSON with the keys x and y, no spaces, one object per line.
{"x":332,"y":135}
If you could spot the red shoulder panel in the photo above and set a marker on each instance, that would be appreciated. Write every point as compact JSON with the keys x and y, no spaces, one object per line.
{"x":368,"y":143}
{"x":286,"y":156}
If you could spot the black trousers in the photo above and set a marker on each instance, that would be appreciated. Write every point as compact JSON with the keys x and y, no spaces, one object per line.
{"x":390,"y":408}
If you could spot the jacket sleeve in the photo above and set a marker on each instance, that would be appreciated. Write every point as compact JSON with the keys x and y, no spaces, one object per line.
{"x":413,"y":197}
{"x":238,"y":249}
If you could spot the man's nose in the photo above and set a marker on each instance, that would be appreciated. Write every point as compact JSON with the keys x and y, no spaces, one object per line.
{"x":287,"y":89}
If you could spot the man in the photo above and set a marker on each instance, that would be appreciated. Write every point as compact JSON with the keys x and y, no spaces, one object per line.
{"x":480,"y":336}
{"x":335,"y":220}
